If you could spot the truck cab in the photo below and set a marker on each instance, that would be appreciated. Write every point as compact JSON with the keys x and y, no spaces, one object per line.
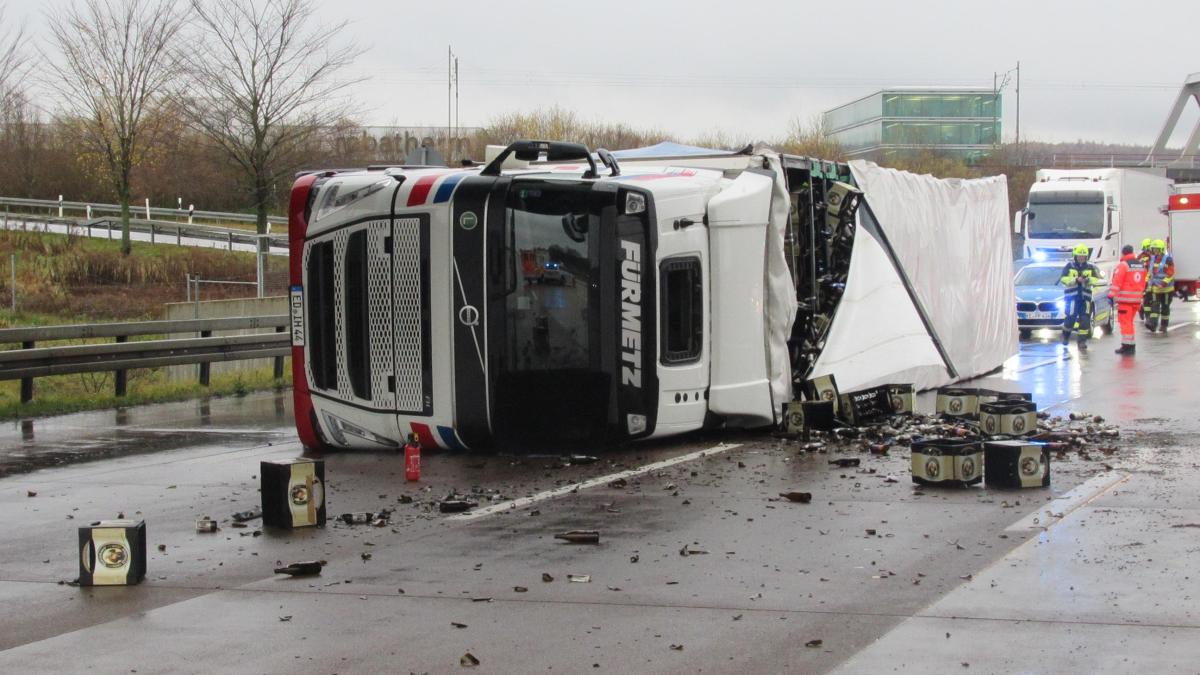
{"x":1103,"y":209}
{"x":414,"y":308}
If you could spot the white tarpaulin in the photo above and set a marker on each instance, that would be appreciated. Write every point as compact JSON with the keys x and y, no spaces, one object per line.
{"x":950,"y":239}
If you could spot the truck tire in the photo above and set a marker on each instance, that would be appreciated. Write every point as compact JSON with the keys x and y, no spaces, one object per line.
{"x":1026,"y":333}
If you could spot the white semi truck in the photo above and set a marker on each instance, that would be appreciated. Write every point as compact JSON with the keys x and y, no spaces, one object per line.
{"x":704,"y":291}
{"x":1184,"y":214}
{"x":1103,"y":209}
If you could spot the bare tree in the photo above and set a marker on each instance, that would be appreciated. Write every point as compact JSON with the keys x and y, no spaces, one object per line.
{"x":114,"y":67}
{"x":263,"y":82}
{"x":14,"y":60}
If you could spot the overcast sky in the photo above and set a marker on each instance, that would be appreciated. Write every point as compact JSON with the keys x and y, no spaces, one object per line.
{"x":1104,"y":71}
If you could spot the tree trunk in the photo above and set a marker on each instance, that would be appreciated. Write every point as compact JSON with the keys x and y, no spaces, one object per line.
{"x":126,"y":246}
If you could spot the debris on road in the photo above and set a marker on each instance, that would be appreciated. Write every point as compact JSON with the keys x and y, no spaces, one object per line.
{"x":301,"y":569}
{"x":30,"y":493}
{"x":580,"y":578}
{"x":204,"y":524}
{"x":677,"y":648}
{"x":798,"y":497}
{"x":456,"y":505}
{"x":376,"y":518}
{"x":814,"y":643}
{"x":520,"y":589}
{"x":685,"y":551}
{"x":546,"y":577}
{"x":579,"y":536}
{"x":468,"y":660}
{"x":243,"y":516}
{"x":846,"y":462}
{"x":458,"y":625}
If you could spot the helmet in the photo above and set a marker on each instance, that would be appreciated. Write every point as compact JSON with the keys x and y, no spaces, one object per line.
{"x":1159,"y":244}
{"x":1082,"y":249}
{"x":1146,"y":243}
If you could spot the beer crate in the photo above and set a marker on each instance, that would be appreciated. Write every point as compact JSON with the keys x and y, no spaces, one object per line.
{"x":865,"y":406}
{"x":112,"y":553}
{"x":947,"y":462}
{"x":293,"y":492}
{"x":1008,"y":418}
{"x":902,"y":399}
{"x":1016,"y":464}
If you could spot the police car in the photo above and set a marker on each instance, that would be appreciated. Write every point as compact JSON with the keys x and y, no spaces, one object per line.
{"x":1041,"y":299}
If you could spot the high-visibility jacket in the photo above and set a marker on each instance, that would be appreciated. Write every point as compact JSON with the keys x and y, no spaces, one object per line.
{"x":1071,"y":274}
{"x":1162,"y":274}
{"x":1128,"y":281}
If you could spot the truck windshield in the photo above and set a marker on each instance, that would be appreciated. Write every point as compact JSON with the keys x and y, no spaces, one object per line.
{"x":550,"y":228}
{"x":1065,"y":220}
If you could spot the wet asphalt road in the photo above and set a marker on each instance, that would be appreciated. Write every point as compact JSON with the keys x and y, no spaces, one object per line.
{"x":1091,"y":575}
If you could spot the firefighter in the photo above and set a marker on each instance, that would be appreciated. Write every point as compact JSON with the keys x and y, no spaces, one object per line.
{"x":1126,"y":291}
{"x":1144,"y":255}
{"x":1078,"y":277}
{"x":1161,"y":286}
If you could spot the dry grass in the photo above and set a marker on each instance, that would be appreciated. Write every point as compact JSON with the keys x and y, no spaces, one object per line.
{"x":87,"y":279}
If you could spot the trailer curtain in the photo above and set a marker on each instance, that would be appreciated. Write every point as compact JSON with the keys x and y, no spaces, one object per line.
{"x":947,"y":255}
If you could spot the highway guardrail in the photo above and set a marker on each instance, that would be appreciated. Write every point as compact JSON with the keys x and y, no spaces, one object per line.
{"x":31,"y":361}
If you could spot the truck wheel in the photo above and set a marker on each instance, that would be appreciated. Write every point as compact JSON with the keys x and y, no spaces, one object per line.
{"x":1026,"y":333}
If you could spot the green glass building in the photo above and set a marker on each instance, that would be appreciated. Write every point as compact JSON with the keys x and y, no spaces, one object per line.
{"x":961,"y":122}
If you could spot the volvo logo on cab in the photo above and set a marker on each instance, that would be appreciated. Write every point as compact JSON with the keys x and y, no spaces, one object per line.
{"x":631,"y":313}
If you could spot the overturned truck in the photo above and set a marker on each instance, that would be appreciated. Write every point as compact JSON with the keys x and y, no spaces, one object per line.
{"x":677,"y":293}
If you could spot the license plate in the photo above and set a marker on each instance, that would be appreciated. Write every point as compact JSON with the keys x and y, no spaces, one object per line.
{"x":296,"y":307}
{"x":1039,"y":315}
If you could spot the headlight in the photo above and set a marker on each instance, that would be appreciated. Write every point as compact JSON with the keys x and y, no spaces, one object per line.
{"x":1061,"y":305}
{"x":1039,"y":256}
{"x":339,"y":427}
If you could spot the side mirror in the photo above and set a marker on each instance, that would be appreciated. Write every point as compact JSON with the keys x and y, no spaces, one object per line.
{"x":1019,"y":221}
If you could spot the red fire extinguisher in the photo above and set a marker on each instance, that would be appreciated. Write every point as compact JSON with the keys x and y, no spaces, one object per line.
{"x":412,"y":458}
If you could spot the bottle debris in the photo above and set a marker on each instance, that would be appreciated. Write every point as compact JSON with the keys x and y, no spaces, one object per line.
{"x":205,"y":525}
{"x":456,"y":505}
{"x":579,"y":536}
{"x":244,"y":516}
{"x":301,"y":569}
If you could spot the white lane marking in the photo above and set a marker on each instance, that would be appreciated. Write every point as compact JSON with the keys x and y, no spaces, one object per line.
{"x":1039,"y":364}
{"x":1180,"y":325}
{"x":592,"y":482}
{"x":1075,"y":498}
{"x":201,"y":430}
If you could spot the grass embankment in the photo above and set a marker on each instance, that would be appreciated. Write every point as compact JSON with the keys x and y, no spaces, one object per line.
{"x":70,"y":279}
{"x":63,"y":394}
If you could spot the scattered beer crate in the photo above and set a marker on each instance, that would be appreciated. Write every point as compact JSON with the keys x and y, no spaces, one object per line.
{"x":823,"y":388}
{"x":1016,"y":464}
{"x":112,"y":553}
{"x":947,"y":462}
{"x":293,"y":493}
{"x":866,"y":406}
{"x":1008,"y":418}
{"x":902,"y":398}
